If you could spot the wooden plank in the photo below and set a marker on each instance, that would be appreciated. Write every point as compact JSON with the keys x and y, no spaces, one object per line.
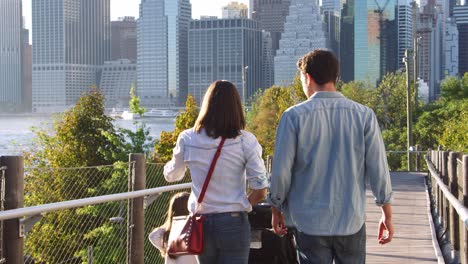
{"x":413,"y":240}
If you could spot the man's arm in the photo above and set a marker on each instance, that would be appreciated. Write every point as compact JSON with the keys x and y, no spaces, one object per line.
{"x":379,"y":177}
{"x":385,"y":225}
{"x":283,"y":161}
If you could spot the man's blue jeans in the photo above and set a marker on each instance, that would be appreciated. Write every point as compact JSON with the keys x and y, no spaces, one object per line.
{"x":227,"y":239}
{"x":326,"y":249}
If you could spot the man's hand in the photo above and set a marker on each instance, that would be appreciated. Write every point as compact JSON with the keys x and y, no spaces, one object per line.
{"x":385,"y":225}
{"x":277,"y":222}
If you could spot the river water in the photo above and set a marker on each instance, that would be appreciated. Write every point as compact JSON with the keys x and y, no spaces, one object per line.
{"x":16,"y":132}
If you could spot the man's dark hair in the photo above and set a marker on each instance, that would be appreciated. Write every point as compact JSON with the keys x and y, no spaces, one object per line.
{"x":321,"y":65}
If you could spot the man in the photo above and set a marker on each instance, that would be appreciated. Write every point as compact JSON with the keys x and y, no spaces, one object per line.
{"x":326,"y":149}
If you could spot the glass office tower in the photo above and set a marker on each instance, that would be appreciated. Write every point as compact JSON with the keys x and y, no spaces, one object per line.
{"x":163,"y":52}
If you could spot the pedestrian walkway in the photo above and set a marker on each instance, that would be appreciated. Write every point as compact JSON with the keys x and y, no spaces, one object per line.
{"x":413,"y":241}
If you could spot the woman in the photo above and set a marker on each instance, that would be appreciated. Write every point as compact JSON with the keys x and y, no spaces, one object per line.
{"x":226,"y":203}
{"x":160,"y":235}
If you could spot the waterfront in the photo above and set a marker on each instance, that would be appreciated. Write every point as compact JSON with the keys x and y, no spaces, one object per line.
{"x":16,"y":132}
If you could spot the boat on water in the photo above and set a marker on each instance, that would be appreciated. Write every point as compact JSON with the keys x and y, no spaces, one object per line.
{"x":161,"y":113}
{"x":127,"y":115}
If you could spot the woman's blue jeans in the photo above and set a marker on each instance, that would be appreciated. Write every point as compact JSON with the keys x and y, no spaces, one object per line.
{"x":326,"y":249}
{"x":227,"y":239}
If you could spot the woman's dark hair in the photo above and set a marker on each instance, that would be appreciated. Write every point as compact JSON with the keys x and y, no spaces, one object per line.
{"x":177,"y":207}
{"x":321,"y":65}
{"x":221,"y":114}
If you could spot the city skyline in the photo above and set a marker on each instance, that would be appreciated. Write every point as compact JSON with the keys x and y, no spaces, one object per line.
{"x":131,"y":8}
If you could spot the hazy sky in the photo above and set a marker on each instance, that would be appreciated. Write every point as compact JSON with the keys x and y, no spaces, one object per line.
{"x":121,"y":8}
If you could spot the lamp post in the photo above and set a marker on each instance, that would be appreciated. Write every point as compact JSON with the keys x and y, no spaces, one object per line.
{"x":415,"y":70}
{"x":244,"y":77}
{"x":408,"y":109}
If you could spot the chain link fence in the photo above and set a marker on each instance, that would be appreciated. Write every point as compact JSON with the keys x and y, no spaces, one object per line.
{"x":156,"y":212}
{"x":2,"y":208}
{"x":92,"y":234}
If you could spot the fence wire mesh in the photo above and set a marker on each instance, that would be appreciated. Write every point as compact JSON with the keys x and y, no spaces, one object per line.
{"x":91,"y":234}
{"x":156,"y":212}
{"x":2,"y":208}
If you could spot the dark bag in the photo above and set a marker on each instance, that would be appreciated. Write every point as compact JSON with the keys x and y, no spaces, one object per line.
{"x":190,"y":239}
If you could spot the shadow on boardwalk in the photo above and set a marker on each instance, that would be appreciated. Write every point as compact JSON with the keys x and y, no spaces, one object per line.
{"x":413,"y":240}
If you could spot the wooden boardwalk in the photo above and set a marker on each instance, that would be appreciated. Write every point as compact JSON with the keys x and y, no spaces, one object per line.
{"x":413,"y":241}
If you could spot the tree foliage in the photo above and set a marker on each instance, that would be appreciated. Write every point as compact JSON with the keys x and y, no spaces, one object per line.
{"x":128,"y":141}
{"x":80,"y":139}
{"x":185,"y":120}
{"x":267,"y":108}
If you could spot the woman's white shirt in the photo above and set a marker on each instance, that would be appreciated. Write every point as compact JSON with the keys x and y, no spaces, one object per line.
{"x":240,"y":161}
{"x":156,"y":238}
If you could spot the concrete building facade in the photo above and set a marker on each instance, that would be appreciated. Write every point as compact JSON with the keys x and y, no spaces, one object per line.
{"x":116,"y":80}
{"x":271,"y":14}
{"x":71,"y":40}
{"x":162,"y":78}
{"x":225,"y":49}
{"x":11,"y":52}
{"x":124,"y":39}
{"x":303,"y":32}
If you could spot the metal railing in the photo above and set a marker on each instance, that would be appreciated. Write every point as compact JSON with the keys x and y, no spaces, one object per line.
{"x":448,"y":188}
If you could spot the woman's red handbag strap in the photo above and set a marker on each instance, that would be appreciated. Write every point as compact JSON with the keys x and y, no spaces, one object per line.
{"x":210,"y":172}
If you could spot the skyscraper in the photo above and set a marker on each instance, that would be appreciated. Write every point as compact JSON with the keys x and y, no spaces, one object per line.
{"x":461,"y":17}
{"x":271,"y":14}
{"x":303,"y":32}
{"x":451,"y":48}
{"x":225,"y":49}
{"x":331,"y":5}
{"x":124,"y":39}
{"x":235,"y":10}
{"x":430,"y":51}
{"x":162,"y":58}
{"x":366,"y":43}
{"x":27,"y":72}
{"x":268,"y":60}
{"x":404,"y":17}
{"x":71,"y":40}
{"x":11,"y":46}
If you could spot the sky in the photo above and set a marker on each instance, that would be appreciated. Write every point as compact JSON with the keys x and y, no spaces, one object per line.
{"x":120,"y":8}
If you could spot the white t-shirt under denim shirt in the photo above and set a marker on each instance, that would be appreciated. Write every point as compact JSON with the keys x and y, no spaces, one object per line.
{"x":240,"y":161}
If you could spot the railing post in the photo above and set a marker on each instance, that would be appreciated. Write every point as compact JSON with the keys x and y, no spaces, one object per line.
{"x":14,"y":194}
{"x":136,"y":217}
{"x":418,"y":158}
{"x":440,"y":195}
{"x":444,"y":174}
{"x":464,"y":175}
{"x":453,"y":186}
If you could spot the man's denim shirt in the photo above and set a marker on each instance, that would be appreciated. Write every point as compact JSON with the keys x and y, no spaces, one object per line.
{"x":326,"y":149}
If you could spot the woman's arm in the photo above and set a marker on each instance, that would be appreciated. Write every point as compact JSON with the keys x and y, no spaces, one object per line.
{"x":256,"y":196}
{"x":174,"y":170}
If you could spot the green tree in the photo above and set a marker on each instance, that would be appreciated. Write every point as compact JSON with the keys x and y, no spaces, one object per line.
{"x":453,"y":88}
{"x":78,"y":140}
{"x":185,"y":120}
{"x":267,"y":108}
{"x":443,"y":123}
{"x":134,"y":103}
